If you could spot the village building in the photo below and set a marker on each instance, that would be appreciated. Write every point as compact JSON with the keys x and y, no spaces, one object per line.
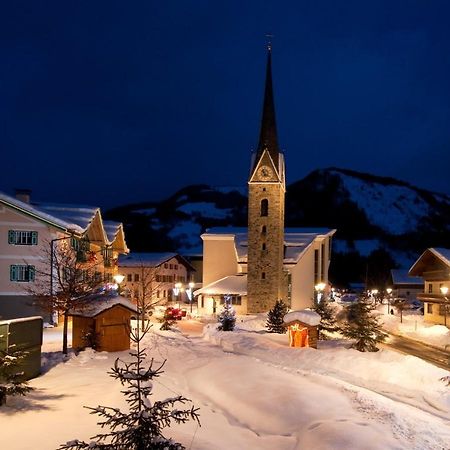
{"x":30,"y":232}
{"x":434,"y":267}
{"x":160,"y":277}
{"x":254,"y":267}
{"x":404,"y":286}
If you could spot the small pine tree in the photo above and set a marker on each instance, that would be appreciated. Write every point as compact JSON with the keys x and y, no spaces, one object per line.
{"x":11,"y":376}
{"x":227,"y":317}
{"x":274,"y":322}
{"x":167,"y":320}
{"x":363,"y":326}
{"x":141,"y":428}
{"x":327,"y":319}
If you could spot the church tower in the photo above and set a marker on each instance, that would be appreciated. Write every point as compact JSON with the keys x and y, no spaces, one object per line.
{"x":266,"y":280}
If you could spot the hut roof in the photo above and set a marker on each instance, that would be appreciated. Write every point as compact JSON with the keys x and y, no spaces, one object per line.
{"x":98,"y":304}
{"x":306,"y":316}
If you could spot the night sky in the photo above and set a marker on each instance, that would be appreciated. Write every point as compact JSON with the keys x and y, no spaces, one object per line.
{"x":105,"y":102}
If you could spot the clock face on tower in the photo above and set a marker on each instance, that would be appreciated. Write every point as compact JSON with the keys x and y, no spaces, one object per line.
{"x":265,"y":173}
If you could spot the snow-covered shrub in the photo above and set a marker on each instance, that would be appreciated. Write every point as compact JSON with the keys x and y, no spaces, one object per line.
{"x":327,"y":319}
{"x":227,"y":317}
{"x":11,"y":375}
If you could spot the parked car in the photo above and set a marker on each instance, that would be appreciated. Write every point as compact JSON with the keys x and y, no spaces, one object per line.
{"x":175,"y":313}
{"x":348,"y":298}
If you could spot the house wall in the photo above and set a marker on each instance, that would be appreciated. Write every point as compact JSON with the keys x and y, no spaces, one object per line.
{"x":160,"y":291}
{"x":219,"y":258}
{"x":434,"y":316}
{"x":302,"y":279}
{"x":205,"y":305}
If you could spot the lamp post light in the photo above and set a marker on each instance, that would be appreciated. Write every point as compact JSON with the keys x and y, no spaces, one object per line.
{"x":189,"y":293}
{"x":389,"y":293}
{"x":373,"y":293}
{"x":118,"y":278}
{"x":319,"y":287}
{"x":444,"y":292}
{"x":177,"y":291}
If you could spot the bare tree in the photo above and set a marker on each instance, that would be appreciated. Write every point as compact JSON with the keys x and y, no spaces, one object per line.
{"x":66,"y":279}
{"x":150,"y":288}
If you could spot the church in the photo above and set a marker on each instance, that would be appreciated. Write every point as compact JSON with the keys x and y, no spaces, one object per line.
{"x":254,"y":267}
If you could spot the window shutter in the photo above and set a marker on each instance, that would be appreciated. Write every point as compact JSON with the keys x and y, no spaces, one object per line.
{"x":11,"y":237}
{"x":31,"y":273}
{"x":34,"y":238}
{"x":13,"y":273}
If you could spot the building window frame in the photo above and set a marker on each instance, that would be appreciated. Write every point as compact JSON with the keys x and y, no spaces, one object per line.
{"x":22,"y":273}
{"x":22,"y":237}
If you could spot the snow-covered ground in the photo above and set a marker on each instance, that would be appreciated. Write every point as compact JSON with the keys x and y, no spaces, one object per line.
{"x":253,"y":391}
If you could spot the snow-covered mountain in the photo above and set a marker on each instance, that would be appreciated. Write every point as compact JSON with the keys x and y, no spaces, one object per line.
{"x":369,"y":212}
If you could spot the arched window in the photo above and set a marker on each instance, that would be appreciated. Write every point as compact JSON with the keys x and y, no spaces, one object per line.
{"x":263,"y":275}
{"x":264,"y":207}
{"x":263,"y":229}
{"x":264,"y":246}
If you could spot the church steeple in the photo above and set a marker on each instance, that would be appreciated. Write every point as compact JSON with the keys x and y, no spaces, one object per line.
{"x":268,"y":139}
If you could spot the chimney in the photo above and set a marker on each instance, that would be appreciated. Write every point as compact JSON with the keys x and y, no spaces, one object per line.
{"x":23,"y":195}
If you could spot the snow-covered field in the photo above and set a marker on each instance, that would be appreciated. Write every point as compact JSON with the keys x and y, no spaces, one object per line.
{"x":253,"y":391}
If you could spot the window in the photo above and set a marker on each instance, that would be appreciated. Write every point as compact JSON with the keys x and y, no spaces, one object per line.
{"x":136,"y":277}
{"x":263,"y":229}
{"x":129,"y":277}
{"x":21,"y":273}
{"x":316,"y":266}
{"x":232,"y":299}
{"x":264,"y":207}
{"x":264,"y":246}
{"x":175,"y":266}
{"x":157,"y":293}
{"x":164,"y":293}
{"x":263,"y":275}
{"x":170,"y":266}
{"x":158,"y":278}
{"x":430,"y":288}
{"x":442,"y":310}
{"x":17,"y":237}
{"x":165,"y":265}
{"x":429,"y":308}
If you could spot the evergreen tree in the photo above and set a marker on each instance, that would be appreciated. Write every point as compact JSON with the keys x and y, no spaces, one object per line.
{"x":327,"y":319}
{"x":227,"y":317}
{"x":141,"y":428}
{"x":363,"y":326}
{"x":167,"y":320}
{"x":275,"y":316}
{"x":11,"y":376}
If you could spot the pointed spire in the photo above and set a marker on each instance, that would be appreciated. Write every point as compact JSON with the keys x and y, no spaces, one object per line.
{"x":268,"y":134}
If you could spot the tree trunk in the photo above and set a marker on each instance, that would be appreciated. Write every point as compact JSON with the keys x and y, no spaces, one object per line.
{"x":66,"y":323}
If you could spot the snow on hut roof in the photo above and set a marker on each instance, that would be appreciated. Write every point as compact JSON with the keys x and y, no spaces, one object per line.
{"x":100,"y":303}
{"x":233,"y":284}
{"x":296,"y":240}
{"x":40,"y":213}
{"x":304,"y":315}
{"x":400,"y":276}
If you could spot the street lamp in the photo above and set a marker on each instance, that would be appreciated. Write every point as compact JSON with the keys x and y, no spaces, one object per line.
{"x":444,"y":291}
{"x":373,"y":293}
{"x":189,"y":292}
{"x":389,"y":293}
{"x":319,"y":287}
{"x":177,"y":291}
{"x":118,"y":278}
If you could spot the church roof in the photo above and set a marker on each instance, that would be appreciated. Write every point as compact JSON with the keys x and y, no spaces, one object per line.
{"x":296,"y":240}
{"x":233,"y":285}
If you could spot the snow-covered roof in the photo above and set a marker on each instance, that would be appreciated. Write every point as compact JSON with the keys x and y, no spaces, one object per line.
{"x":40,"y":213}
{"x":442,"y":253}
{"x":145,"y":259}
{"x":101,"y":303}
{"x":233,"y":284}
{"x":111,"y":229}
{"x":296,"y":240}
{"x":76,"y":214}
{"x":305,"y":316}
{"x":400,"y":276}
{"x":427,"y":260}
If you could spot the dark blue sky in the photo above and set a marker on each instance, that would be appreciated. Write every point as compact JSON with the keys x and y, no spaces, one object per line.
{"x":114,"y":102}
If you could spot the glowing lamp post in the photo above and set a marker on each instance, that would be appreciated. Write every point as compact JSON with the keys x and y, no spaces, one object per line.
{"x":319,"y":287}
{"x":177,"y":291}
{"x":189,"y":293}
{"x":444,"y":292}
{"x":373,"y":293}
{"x":118,"y":278}
{"x":389,"y":293}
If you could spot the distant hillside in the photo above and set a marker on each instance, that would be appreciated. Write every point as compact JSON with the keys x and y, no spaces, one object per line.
{"x":373,"y":215}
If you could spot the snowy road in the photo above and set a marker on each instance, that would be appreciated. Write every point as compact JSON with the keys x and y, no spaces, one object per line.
{"x":253,"y":392}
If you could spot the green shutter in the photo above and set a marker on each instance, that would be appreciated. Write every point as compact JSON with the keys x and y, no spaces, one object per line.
{"x":34,"y":238}
{"x":11,"y":237}
{"x":13,"y":273}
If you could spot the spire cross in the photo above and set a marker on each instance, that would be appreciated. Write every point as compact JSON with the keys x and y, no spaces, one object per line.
{"x":269,"y":37}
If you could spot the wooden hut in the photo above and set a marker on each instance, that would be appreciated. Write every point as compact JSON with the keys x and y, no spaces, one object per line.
{"x":302,"y":328}
{"x":103,"y":323}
